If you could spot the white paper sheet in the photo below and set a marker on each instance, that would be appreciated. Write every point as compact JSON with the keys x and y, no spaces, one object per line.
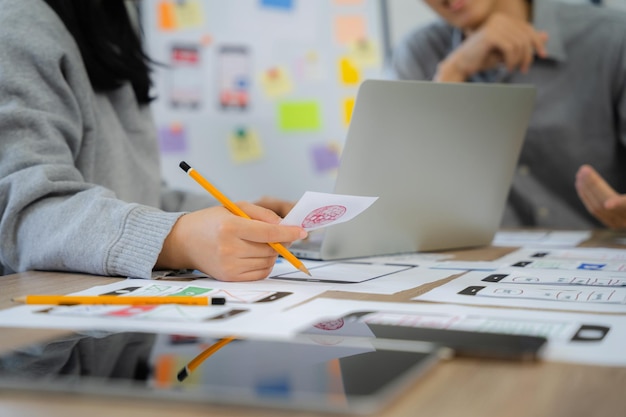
{"x":573,"y":259}
{"x":576,"y":254}
{"x":572,"y":337}
{"x":317,"y":210}
{"x":239,"y":316}
{"x":537,"y":288}
{"x":366,"y":275}
{"x":554,"y":238}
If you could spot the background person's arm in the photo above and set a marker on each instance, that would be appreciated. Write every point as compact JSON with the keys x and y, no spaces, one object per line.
{"x":502,"y":40}
{"x":600,"y":199}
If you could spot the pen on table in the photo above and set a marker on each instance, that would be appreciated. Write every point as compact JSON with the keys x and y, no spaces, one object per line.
{"x":195,"y":362}
{"x":116,"y":299}
{"x":233,"y":208}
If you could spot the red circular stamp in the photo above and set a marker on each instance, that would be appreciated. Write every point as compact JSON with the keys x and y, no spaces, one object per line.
{"x":330,"y":325}
{"x":323,"y":215}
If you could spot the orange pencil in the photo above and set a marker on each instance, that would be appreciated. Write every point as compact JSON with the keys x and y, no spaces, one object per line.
{"x":197,"y":361}
{"x":115,"y":299}
{"x":233,"y":208}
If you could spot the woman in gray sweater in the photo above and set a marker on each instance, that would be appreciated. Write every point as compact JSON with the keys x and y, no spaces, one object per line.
{"x":80,"y":186}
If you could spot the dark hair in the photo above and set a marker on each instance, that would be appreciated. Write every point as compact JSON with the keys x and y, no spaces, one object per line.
{"x":108,"y":42}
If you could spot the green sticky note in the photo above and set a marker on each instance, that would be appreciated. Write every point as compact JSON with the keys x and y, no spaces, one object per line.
{"x":294,"y":116}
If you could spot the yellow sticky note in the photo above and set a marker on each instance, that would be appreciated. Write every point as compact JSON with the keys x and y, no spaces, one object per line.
{"x":365,"y":53}
{"x":348,"y":106}
{"x":189,"y":14}
{"x":349,"y":29}
{"x":348,"y":72}
{"x":299,"y":116}
{"x":245,"y":146}
{"x":276,"y":82}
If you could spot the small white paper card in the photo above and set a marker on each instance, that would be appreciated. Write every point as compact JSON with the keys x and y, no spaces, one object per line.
{"x":317,"y":210}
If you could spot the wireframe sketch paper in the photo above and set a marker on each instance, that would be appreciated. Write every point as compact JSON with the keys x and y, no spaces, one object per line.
{"x":590,"y":291}
{"x":317,"y":210}
{"x":573,"y":337}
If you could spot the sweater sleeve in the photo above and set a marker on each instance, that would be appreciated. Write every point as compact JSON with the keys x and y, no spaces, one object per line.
{"x":52,"y":216}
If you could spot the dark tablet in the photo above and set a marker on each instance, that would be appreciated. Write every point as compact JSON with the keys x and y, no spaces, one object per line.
{"x":467,"y":343}
{"x":355,"y":377}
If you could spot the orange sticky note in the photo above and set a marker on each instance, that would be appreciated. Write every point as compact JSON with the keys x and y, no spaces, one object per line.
{"x":349,"y":29}
{"x":166,"y":16}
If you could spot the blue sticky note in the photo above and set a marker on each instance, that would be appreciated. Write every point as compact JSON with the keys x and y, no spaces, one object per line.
{"x":278,"y":4}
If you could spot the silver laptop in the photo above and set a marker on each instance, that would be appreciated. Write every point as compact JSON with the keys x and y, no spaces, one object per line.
{"x":439,"y":156}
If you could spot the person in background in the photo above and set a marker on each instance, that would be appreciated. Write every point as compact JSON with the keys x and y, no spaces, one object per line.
{"x":80,"y":186}
{"x":572,"y":168}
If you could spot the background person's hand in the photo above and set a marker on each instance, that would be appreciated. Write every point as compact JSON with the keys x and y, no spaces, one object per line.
{"x":501,"y":40}
{"x":225,"y":246}
{"x":600,"y":199}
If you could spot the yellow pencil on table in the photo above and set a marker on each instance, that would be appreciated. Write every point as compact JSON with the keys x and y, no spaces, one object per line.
{"x":115,"y":299}
{"x":233,"y":208}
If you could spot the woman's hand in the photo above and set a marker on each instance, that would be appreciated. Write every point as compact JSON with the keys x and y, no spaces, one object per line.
{"x":225,"y":246}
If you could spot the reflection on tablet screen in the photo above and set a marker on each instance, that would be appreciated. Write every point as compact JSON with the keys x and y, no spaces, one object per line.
{"x":337,"y":376}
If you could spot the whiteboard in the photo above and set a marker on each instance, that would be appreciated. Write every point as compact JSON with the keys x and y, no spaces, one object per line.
{"x":257,"y":94}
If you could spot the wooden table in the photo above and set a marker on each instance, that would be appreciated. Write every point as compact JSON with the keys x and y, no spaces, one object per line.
{"x":460,"y":387}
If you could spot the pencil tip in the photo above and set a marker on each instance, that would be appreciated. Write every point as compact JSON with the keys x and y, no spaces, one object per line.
{"x":305,"y":270}
{"x":18,"y":299}
{"x":184,"y":165}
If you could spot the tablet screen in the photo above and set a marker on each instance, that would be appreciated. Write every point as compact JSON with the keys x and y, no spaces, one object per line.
{"x":471,"y":338}
{"x":323,"y":375}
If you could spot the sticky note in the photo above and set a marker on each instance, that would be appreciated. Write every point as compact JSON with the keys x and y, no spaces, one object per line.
{"x":172,"y":138}
{"x":277,"y":4}
{"x":299,"y":116}
{"x":349,"y":74}
{"x":349,"y":29}
{"x":325,"y":157}
{"x":245,"y":146}
{"x":189,"y":14}
{"x":309,"y":67}
{"x":365,"y":53}
{"x":166,"y":16}
{"x":348,"y":106}
{"x":174,"y":15}
{"x":276,"y":82}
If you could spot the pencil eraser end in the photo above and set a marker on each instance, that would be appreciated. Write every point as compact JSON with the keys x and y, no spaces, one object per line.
{"x":219,"y":301}
{"x":184,"y":165}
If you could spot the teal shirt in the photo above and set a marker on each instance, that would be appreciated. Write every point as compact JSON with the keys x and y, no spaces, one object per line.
{"x":580,"y":112}
{"x":80,"y":186}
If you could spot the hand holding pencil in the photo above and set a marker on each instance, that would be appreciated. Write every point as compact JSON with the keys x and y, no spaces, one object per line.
{"x":226,"y":246}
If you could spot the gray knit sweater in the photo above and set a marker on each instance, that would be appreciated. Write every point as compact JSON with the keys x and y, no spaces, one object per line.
{"x":80,"y":186}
